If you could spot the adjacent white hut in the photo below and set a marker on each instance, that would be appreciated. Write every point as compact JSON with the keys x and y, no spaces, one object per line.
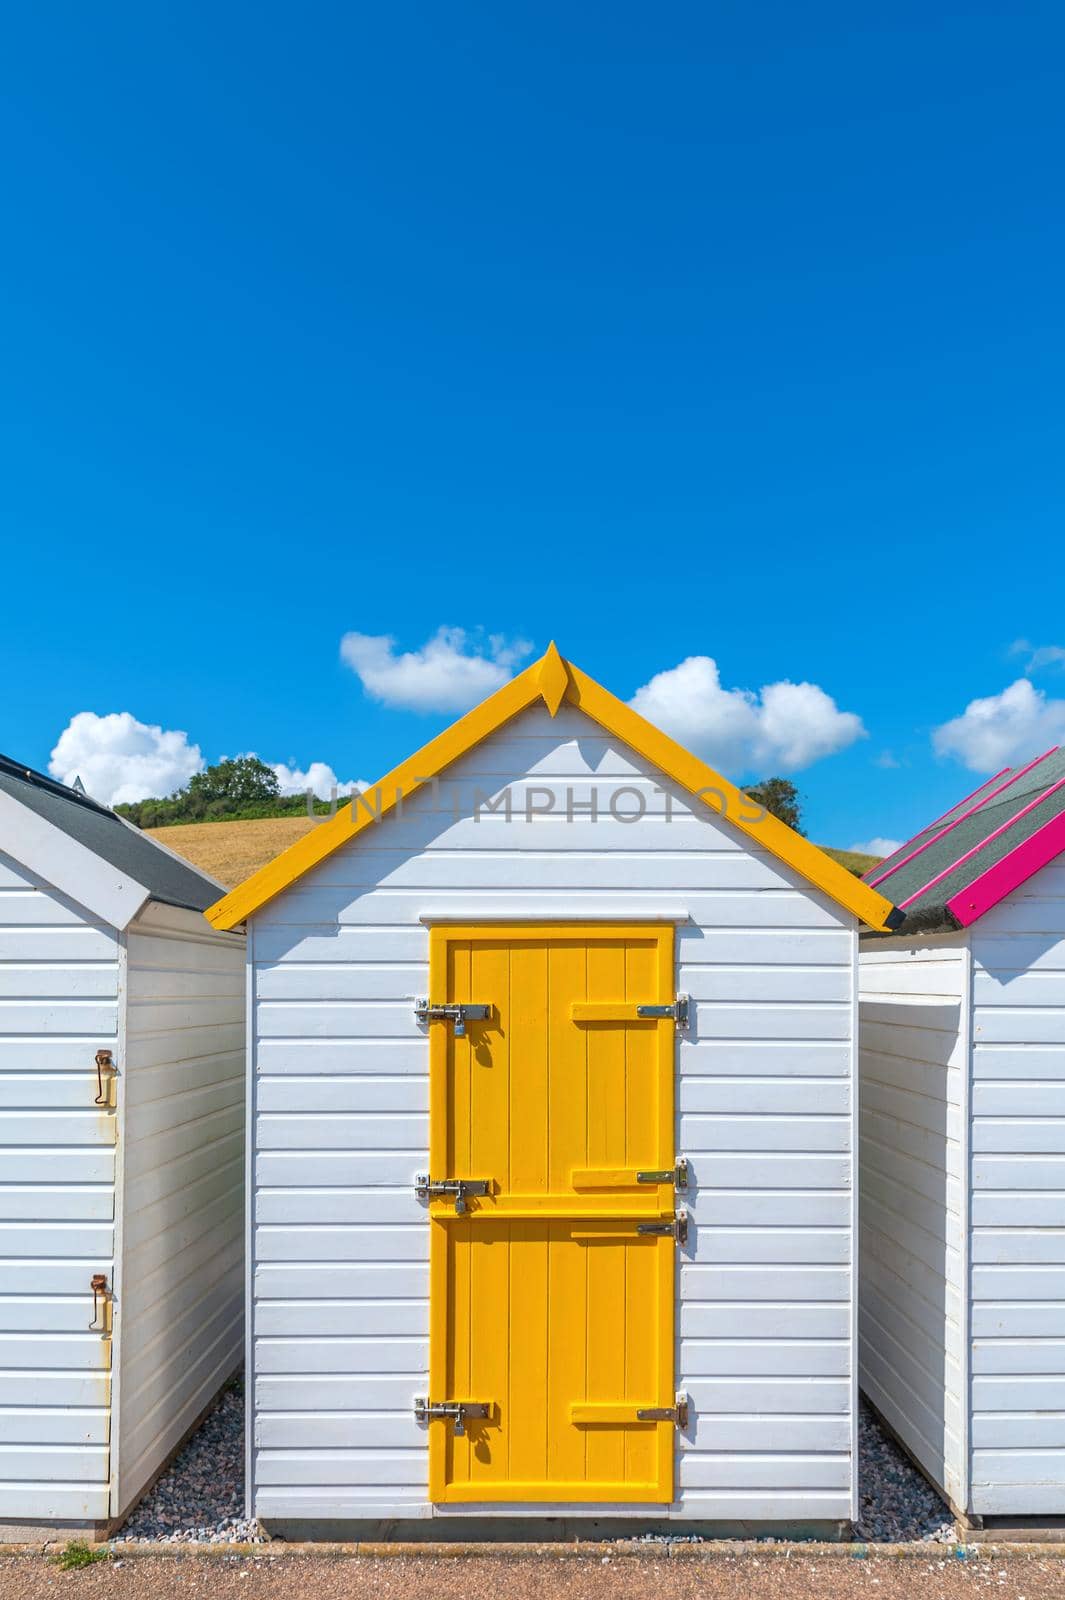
{"x":551,"y":1060}
{"x":963,"y":1149}
{"x":121,"y":1169}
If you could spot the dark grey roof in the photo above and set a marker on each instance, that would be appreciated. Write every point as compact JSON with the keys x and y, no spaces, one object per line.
{"x":165,"y":876}
{"x":925,"y":874}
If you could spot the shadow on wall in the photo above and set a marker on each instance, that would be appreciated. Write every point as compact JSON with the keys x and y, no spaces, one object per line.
{"x":910,"y":1202}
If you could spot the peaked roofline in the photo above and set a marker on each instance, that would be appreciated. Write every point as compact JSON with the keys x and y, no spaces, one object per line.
{"x":553,"y":680}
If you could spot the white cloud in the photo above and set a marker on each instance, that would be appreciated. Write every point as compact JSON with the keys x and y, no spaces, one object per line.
{"x":781,"y":728}
{"x":1039,"y":656}
{"x":452,"y":672}
{"x":1003,"y":729}
{"x":876,"y":847}
{"x":319,"y":776}
{"x":119,"y":759}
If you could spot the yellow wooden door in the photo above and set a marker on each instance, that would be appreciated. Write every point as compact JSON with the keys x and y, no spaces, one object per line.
{"x":549,"y":1305}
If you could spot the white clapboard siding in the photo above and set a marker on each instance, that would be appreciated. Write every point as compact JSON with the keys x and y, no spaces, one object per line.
{"x":59,"y":985}
{"x":912,"y":1098}
{"x":1018,"y":1203}
{"x":340,"y":1117}
{"x":182,"y":1304}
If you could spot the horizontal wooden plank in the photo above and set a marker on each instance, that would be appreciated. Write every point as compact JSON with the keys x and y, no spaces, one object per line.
{"x":342,"y":1280}
{"x":1019,"y":1356}
{"x":780,"y":1283}
{"x":52,"y":1203}
{"x":1019,"y":1246}
{"x":1010,"y":1024}
{"x":1038,"y":1430}
{"x":355,"y":1092}
{"x":52,"y":980}
{"x":378,"y":1391}
{"x":807,"y":1396}
{"x":809,"y":1134}
{"x":34,"y":1502}
{"x":1044,"y":1098}
{"x":377,"y":1468}
{"x":1015,"y":1135}
{"x":1020,"y":1393}
{"x":97,"y":1017}
{"x":1008,"y":1281}
{"x":366,"y":1169}
{"x":56,"y":1389}
{"x":72,"y":942}
{"x":82,"y":1352}
{"x":790,"y":1246}
{"x":362,"y":1356}
{"x":53,"y":1463}
{"x":1027,"y":1061}
{"x":336,"y":1242}
{"x":342,"y":1318}
{"x":44,"y":1239}
{"x":49,"y":1128}
{"x":1040,"y":1468}
{"x":761,"y":1320}
{"x":764,"y":1096}
{"x":343,"y":1131}
{"x":764,"y":1358}
{"x":40,"y":1425}
{"x":1020,"y":1172}
{"x":749,"y":1469}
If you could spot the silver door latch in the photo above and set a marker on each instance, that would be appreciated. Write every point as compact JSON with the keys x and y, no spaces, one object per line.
{"x":458,"y":1014}
{"x":678,"y":1228}
{"x":677,"y":1413}
{"x":677,"y":1176}
{"x":427,"y":1188}
{"x":459,"y":1410}
{"x":678,"y":1011}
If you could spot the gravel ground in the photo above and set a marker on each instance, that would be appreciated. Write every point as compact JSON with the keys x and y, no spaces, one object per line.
{"x":201,"y":1496}
{"x":623,"y":1577}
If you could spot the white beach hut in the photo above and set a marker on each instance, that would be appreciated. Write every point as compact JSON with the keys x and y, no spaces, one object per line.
{"x":963,"y":1150}
{"x":552,"y":1206}
{"x":121,"y":1168}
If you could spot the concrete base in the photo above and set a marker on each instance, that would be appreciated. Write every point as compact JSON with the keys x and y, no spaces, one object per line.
{"x":54,"y":1532}
{"x":538,"y":1530}
{"x":1013,"y":1530}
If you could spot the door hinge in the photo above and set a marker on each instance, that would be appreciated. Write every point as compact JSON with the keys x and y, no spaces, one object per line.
{"x":678,"y":1011}
{"x":458,"y":1410}
{"x":677,"y":1413}
{"x":678,"y":1227}
{"x":427,"y":1188}
{"x":677,"y":1176}
{"x":458,"y":1014}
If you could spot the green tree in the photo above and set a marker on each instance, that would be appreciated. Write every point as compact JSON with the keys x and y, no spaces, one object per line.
{"x":232,"y":785}
{"x":781,"y":798}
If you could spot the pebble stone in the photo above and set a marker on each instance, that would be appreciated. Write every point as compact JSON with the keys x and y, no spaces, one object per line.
{"x":200,"y":1498}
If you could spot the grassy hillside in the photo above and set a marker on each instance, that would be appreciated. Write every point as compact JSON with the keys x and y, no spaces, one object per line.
{"x":232,"y":851}
{"x":853,"y":860}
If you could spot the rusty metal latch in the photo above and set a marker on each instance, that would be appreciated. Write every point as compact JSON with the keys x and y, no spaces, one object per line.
{"x":98,"y":1285}
{"x":458,"y":1410}
{"x":458,"y":1014}
{"x":105,"y":1062}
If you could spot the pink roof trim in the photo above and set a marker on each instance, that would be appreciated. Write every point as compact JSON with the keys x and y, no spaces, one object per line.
{"x":872,"y":882}
{"x":1038,"y":801}
{"x":1008,"y":874}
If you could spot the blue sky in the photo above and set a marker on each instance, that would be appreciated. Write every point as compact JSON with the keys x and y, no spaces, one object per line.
{"x":728,"y":332}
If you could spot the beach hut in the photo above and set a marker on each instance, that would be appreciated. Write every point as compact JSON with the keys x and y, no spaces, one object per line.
{"x":962,"y":1253}
{"x":121,"y":1167}
{"x":551,"y":1051}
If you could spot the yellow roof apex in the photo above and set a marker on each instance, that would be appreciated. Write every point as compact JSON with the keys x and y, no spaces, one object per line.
{"x":554,"y":680}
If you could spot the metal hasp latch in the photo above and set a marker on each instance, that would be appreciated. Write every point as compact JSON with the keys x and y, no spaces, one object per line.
{"x":677,"y":1176}
{"x":458,"y":1014}
{"x":105,"y":1062}
{"x":427,"y":1188}
{"x":678,"y":1227}
{"x":677,"y":1413}
{"x":678,"y":1011}
{"x":430,"y":1411}
{"x":98,"y":1285}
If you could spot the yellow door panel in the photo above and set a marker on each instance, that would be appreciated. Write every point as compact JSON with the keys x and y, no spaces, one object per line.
{"x":547,"y":1303}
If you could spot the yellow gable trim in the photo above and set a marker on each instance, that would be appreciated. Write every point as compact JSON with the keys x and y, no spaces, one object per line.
{"x":552,"y":680}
